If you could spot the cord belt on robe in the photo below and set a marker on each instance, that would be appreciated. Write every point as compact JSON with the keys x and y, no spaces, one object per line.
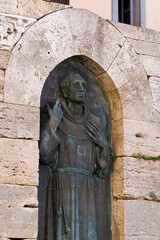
{"x":61,"y":208}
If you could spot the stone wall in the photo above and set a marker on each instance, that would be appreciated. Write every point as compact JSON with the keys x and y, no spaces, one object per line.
{"x":130,"y":75}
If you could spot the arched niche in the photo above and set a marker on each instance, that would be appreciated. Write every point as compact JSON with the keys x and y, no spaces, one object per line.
{"x":99,"y":104}
{"x":105,"y":52}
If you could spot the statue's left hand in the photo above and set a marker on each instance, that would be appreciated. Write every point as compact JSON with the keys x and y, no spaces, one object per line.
{"x":96,"y":136}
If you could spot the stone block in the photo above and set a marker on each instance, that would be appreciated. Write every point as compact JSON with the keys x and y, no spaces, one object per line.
{"x":126,"y":29}
{"x":107,"y":44}
{"x":8,"y":6}
{"x":18,"y":222}
{"x":141,"y":136}
{"x":1,"y":84}
{"x":38,"y":8}
{"x":146,"y":48}
{"x":125,"y":66}
{"x":19,"y":161}
{"x":12,"y":28}
{"x":115,"y":105}
{"x":19,"y":121}
{"x":4,"y":57}
{"x":151,"y":65}
{"x":118,"y":219}
{"x":118,"y":178}
{"x":140,"y":178}
{"x":25,"y":79}
{"x":41,"y":54}
{"x":149,"y":35}
{"x":18,"y":196}
{"x":53,"y":25}
{"x":154,"y":83}
{"x":142,"y":220}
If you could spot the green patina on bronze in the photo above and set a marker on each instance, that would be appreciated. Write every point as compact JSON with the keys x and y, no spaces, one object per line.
{"x":74,"y":147}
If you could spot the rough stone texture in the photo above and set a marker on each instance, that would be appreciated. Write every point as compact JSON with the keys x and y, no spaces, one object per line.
{"x":18,"y":121}
{"x":146,"y":48}
{"x":154,"y":83}
{"x":108,"y":43}
{"x":141,"y":177}
{"x":25,"y":79}
{"x":41,"y":54}
{"x":38,"y":8}
{"x":19,"y":161}
{"x":118,"y":178}
{"x":125,"y":66}
{"x":4,"y":57}
{"x":151,"y":65}
{"x":142,"y":220}
{"x":126,"y":29}
{"x":12,"y":28}
{"x":18,"y":222}
{"x":115,"y":105}
{"x":18,"y":196}
{"x":149,"y":35}
{"x":8,"y":6}
{"x":53,"y":25}
{"x":118,"y":219}
{"x":138,"y":136}
{"x":1,"y":84}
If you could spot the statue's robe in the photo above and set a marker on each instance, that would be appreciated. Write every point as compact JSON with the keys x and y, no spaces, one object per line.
{"x":74,"y":208}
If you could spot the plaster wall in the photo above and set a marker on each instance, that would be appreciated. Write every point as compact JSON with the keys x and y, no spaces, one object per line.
{"x":126,"y":62}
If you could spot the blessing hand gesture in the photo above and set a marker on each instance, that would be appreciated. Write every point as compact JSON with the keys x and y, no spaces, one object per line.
{"x":55,"y":114}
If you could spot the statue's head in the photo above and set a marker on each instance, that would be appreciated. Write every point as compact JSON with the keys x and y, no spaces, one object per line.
{"x":73,"y":88}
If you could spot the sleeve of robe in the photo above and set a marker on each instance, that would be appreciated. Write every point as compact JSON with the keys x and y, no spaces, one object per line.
{"x":48,"y":145}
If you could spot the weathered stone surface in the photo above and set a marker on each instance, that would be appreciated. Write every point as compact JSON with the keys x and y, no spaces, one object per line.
{"x":118,"y":219}
{"x":141,"y":136}
{"x":4,"y":57}
{"x":108,"y":41}
{"x":127,"y":30}
{"x":106,"y":82}
{"x":149,"y":35}
{"x":1,"y":84}
{"x":18,"y":222}
{"x":18,"y":196}
{"x":125,"y":66}
{"x":146,"y":48}
{"x":136,"y":97}
{"x":17,"y":121}
{"x":38,"y":8}
{"x":53,"y":26}
{"x":83,"y":31}
{"x":19,"y":161}
{"x":154,"y":83}
{"x":151,"y":65}
{"x":142,"y":220}
{"x":141,"y":177}
{"x":41,"y":55}
{"x":115,"y":105}
{"x":25,"y":79}
{"x":12,"y":28}
{"x":8,"y":6}
{"x":118,"y":178}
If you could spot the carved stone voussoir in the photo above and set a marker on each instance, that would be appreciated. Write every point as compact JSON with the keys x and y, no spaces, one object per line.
{"x":11,"y":29}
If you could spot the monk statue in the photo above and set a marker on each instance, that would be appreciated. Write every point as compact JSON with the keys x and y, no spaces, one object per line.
{"x":73,"y":144}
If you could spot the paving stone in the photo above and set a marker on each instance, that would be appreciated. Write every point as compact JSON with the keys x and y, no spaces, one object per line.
{"x":19,"y":161}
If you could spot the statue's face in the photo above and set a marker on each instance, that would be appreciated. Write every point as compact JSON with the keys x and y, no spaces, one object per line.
{"x":77,"y":90}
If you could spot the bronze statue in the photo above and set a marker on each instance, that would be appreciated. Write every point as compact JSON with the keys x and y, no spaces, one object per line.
{"x":74,"y":145}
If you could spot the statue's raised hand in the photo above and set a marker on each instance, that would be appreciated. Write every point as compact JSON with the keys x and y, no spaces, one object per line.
{"x":55,"y":114}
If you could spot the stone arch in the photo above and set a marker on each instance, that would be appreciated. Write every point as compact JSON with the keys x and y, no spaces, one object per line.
{"x":103,"y":49}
